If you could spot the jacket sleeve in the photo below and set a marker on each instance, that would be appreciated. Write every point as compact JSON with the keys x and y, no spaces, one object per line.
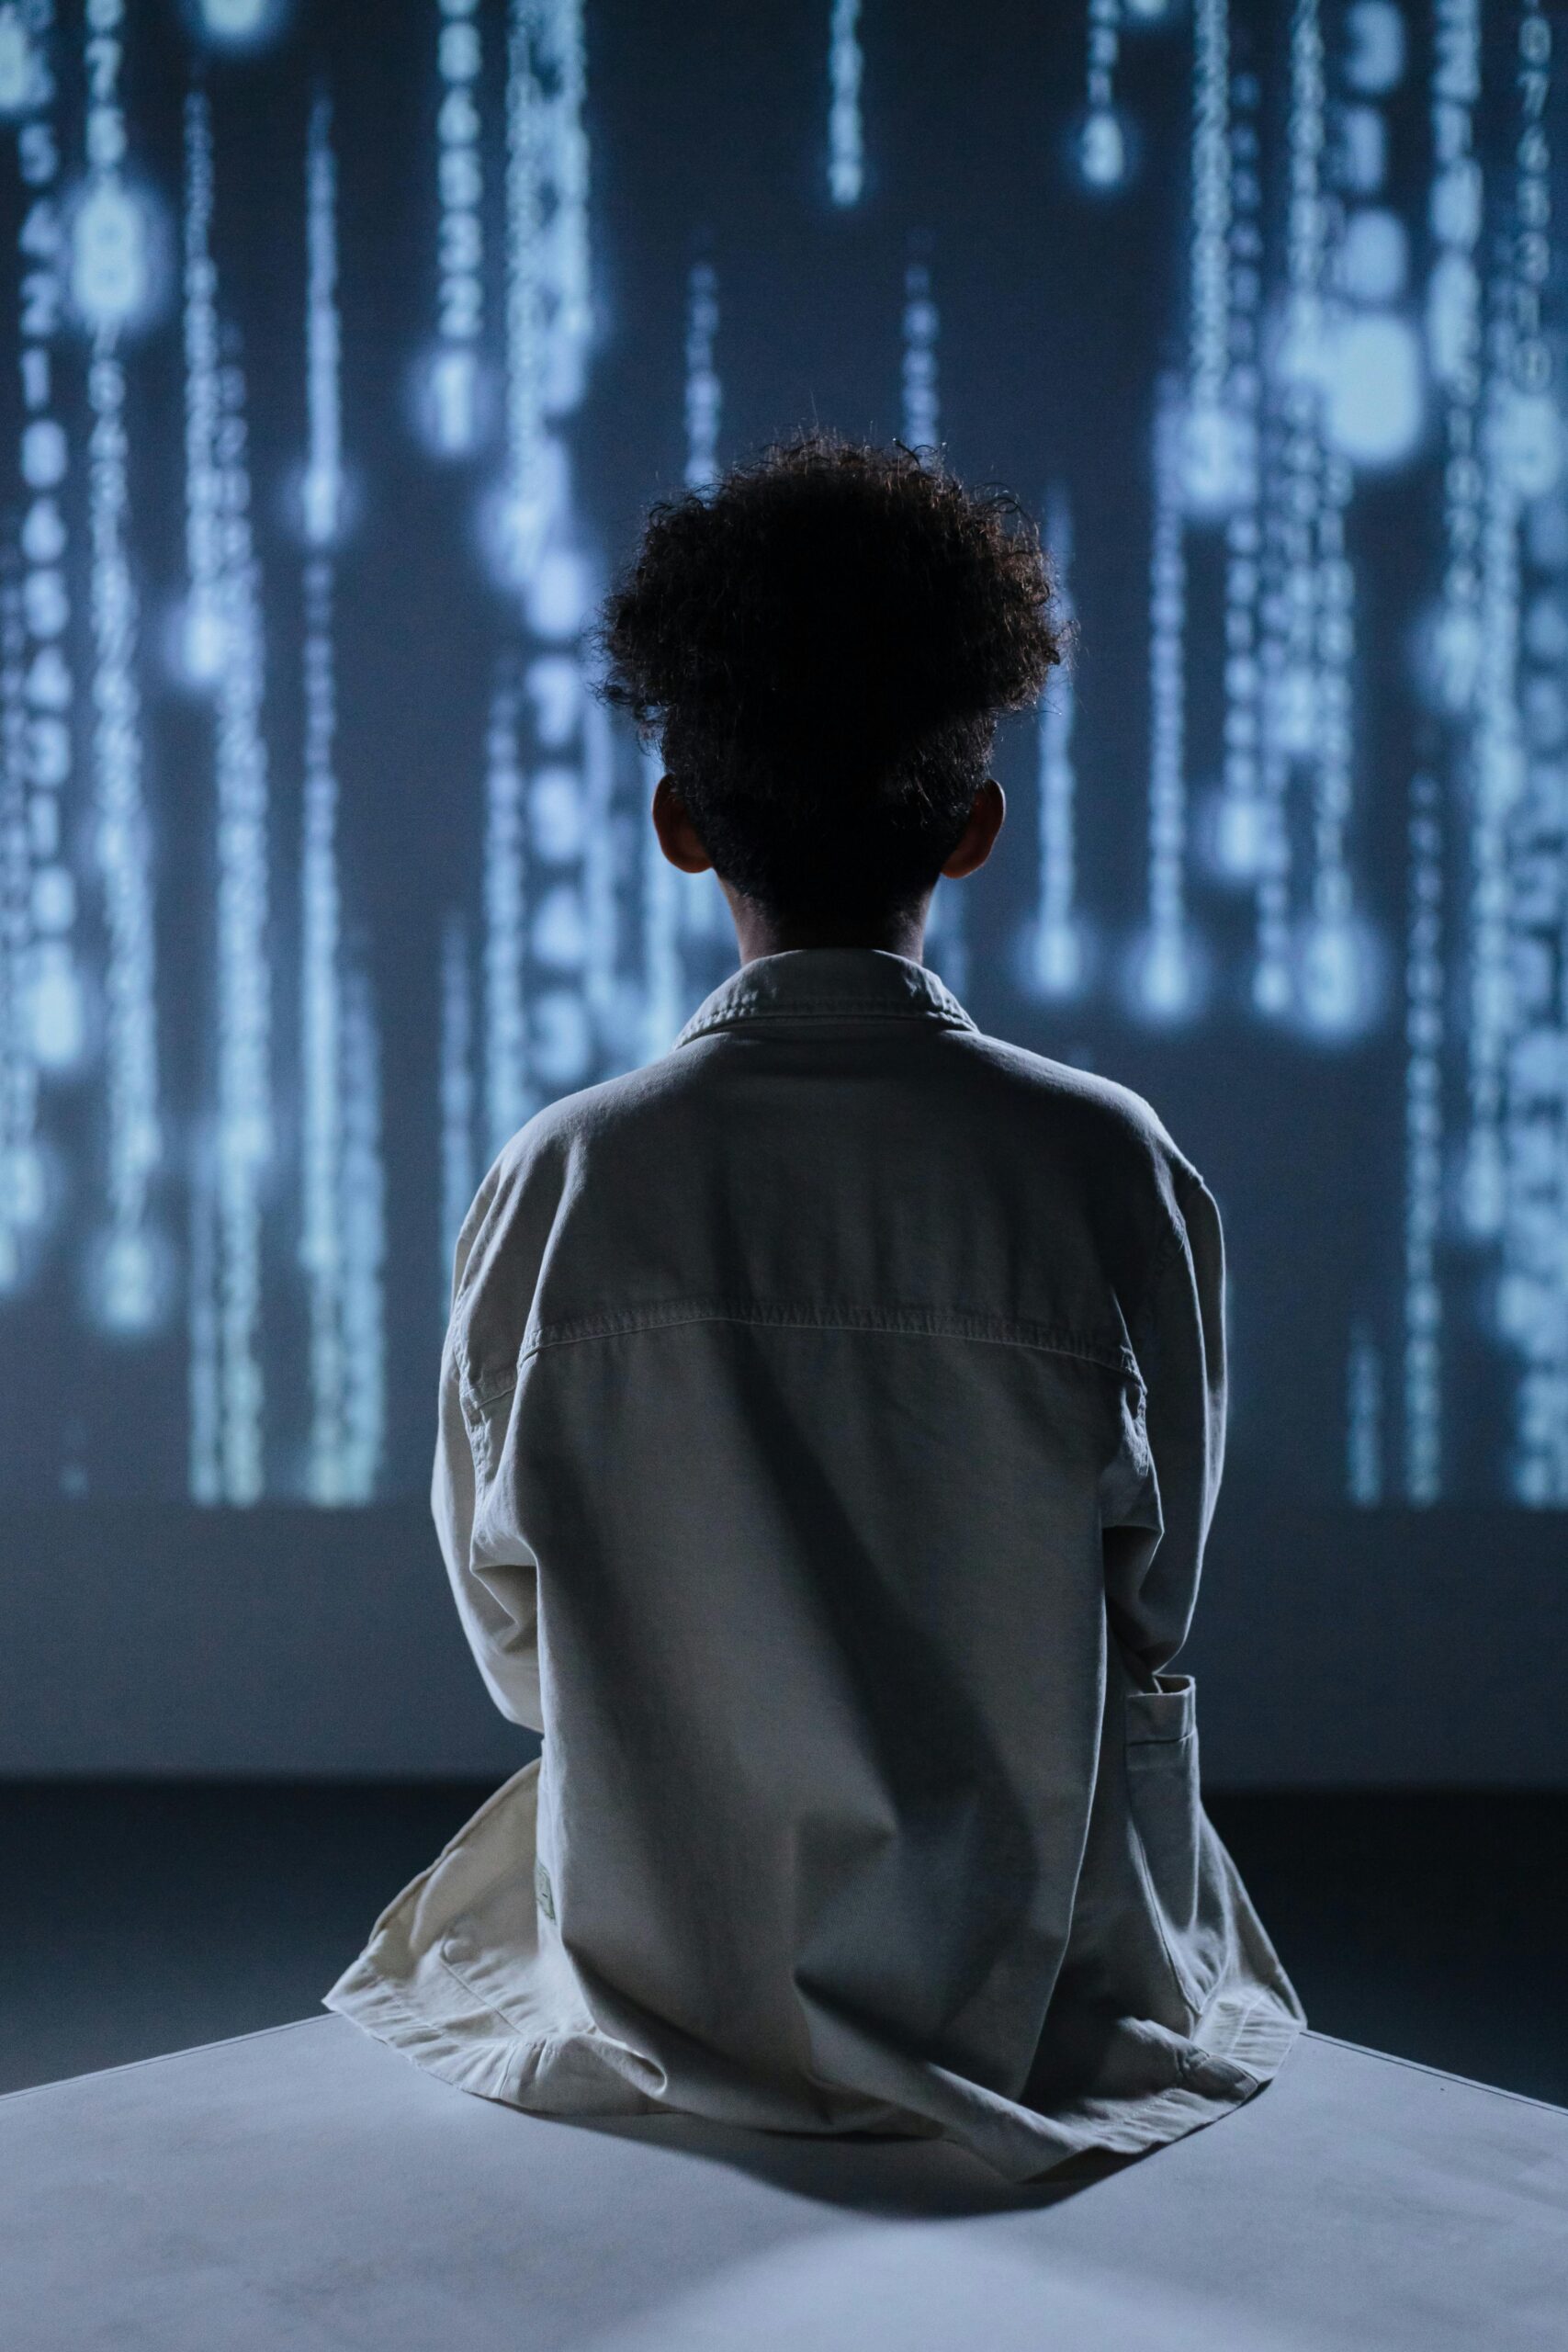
{"x":1152,"y":1566}
{"x":494,"y":1574}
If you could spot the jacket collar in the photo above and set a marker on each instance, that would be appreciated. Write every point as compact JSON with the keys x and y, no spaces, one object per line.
{"x":837,"y":983}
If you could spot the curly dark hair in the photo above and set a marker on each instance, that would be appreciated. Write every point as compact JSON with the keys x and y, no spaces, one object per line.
{"x":824,"y":643}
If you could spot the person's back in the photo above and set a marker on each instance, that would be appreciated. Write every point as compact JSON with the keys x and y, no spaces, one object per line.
{"x":832,"y":1416}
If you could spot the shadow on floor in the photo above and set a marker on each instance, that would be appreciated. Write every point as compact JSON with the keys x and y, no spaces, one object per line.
{"x":891,"y":2177}
{"x":146,"y":1916}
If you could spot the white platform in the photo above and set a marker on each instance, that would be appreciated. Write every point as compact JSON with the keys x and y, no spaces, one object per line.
{"x":306,"y":2188}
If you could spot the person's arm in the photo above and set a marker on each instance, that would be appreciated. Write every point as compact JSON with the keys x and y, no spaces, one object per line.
{"x":492,"y":1572}
{"x":1152,"y":1570}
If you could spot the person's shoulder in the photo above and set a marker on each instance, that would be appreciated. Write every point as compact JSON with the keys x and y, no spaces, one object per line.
{"x":530,"y":1184}
{"x":1109,"y":1140}
{"x":1100,"y":1109}
{"x":591,"y":1116}
{"x":604,"y":1127}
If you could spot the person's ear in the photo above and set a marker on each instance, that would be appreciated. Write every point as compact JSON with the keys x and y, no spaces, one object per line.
{"x":678,"y":837}
{"x":977,"y":840}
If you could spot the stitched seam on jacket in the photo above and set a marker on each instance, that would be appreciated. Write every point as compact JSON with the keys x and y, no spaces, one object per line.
{"x":907,"y":1323}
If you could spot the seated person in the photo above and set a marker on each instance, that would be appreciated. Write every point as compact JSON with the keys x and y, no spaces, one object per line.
{"x":832,"y":1418}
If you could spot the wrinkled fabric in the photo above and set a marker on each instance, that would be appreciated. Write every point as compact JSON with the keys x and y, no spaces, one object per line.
{"x":831,"y":1419}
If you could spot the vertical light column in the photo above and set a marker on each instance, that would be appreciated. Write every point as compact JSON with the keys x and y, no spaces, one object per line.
{"x":322,"y":1201}
{"x":1294,"y":512}
{"x":920,"y":426}
{"x":1455,"y":209}
{"x":1330,"y":983}
{"x":681,"y":911}
{"x":692,"y":902}
{"x":25,"y":77}
{"x":1102,"y":145}
{"x":201,"y":638}
{"x":246,"y":1131}
{"x":1424,"y":988}
{"x":530,"y":478}
{"x":322,"y":487}
{"x":225,"y":613}
{"x":921,"y":430}
{"x":1538,"y":1064}
{"x":453,"y":389}
{"x":508,"y":1093}
{"x":204,"y":1368}
{"x":110,"y":289}
{"x":1212,"y":464}
{"x":597,"y":1011}
{"x":1238,"y":838}
{"x":1371,"y":416}
{"x":44,"y":1031}
{"x":1525,"y":439}
{"x":1497,"y":777}
{"x":1165,"y":975}
{"x":1221,"y":444}
{"x":846,"y":135}
{"x":1058,"y":960}
{"x":553,"y":1038}
{"x":1474,"y":641}
{"x":571,"y":326}
{"x":1364,"y":1419}
{"x":1453,"y":340}
{"x":524,"y":515}
{"x":21,"y":1172}
{"x":458,"y":1182}
{"x":201,"y":661}
{"x":1101,"y":139}
{"x":335,"y":1261}
{"x":564,"y":804}
{"x":237,"y":25}
{"x":320,"y":1017}
{"x":41,"y":1024}
{"x":364,"y":1221}
{"x":704,"y":391}
{"x":1280,"y":686}
{"x":548,"y":307}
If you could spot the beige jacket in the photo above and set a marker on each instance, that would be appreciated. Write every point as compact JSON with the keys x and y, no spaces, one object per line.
{"x":831,"y":1419}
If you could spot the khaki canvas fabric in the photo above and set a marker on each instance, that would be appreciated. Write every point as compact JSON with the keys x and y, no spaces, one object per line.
{"x":831,"y":1419}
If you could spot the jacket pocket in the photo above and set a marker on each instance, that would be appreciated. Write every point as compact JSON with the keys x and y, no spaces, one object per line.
{"x":1184,"y":1883}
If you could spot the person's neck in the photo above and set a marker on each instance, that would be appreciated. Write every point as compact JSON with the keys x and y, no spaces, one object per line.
{"x":758,"y":933}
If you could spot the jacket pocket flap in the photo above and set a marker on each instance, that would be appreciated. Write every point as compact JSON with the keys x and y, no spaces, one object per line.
{"x":1166,"y":1713}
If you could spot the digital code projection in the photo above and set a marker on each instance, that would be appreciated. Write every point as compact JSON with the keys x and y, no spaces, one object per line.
{"x":342,"y":370}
